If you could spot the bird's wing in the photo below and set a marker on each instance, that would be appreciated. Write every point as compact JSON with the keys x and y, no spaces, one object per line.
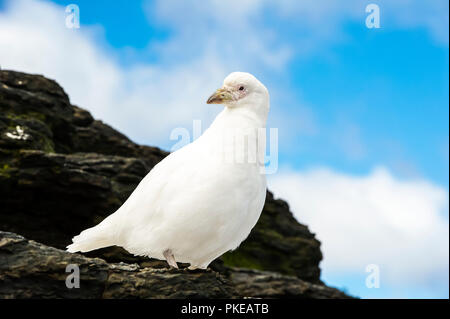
{"x":147,"y":200}
{"x":137,"y":210}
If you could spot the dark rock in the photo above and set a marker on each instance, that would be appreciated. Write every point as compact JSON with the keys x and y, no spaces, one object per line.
{"x":263,"y":284}
{"x":31,"y":270}
{"x":62,"y":171}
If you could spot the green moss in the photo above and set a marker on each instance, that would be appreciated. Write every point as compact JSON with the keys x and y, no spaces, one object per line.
{"x":237,"y":258}
{"x":46,"y":145}
{"x":270,"y":233}
{"x":5,"y":171}
{"x":24,"y":116}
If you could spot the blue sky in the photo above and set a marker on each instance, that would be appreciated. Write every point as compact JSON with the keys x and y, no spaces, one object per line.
{"x":367,"y":106}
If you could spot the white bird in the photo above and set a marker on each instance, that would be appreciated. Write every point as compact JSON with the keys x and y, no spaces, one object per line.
{"x":200,"y":201}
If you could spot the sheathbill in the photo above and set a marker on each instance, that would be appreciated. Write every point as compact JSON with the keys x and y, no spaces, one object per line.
{"x":203,"y":199}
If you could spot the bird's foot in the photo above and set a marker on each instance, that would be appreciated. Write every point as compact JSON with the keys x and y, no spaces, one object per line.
{"x":170,"y":258}
{"x":194,"y":267}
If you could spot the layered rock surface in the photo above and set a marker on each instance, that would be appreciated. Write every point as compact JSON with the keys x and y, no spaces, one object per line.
{"x":32,"y":270}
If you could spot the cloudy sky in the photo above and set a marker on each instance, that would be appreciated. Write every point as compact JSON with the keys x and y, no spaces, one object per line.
{"x":362,"y":114}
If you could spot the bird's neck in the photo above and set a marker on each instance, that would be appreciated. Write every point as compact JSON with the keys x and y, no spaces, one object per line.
{"x":239,"y":132}
{"x":243,"y":116}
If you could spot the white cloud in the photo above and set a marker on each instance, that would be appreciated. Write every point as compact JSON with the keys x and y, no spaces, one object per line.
{"x":33,"y":38}
{"x":231,"y":30}
{"x":146,"y":101}
{"x":400,"y":225}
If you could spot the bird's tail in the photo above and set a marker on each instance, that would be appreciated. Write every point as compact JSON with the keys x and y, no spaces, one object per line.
{"x":92,"y":238}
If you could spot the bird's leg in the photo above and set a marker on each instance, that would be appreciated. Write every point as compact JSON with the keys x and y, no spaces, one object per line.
{"x":170,"y":258}
{"x":194,"y":267}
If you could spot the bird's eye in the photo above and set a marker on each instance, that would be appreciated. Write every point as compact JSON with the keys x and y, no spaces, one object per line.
{"x":241,"y":88}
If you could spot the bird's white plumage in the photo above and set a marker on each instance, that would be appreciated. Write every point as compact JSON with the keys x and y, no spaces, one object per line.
{"x":196,"y":202}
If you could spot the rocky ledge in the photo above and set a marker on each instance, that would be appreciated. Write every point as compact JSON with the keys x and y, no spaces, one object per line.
{"x":32,"y":270}
{"x":62,"y":171}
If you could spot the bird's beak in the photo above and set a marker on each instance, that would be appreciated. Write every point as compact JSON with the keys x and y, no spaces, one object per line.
{"x":221,"y":96}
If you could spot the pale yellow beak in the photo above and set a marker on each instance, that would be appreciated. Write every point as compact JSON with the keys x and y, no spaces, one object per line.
{"x":221,"y":96}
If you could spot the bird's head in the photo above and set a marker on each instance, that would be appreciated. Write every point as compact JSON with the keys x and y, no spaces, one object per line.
{"x":241,"y":89}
